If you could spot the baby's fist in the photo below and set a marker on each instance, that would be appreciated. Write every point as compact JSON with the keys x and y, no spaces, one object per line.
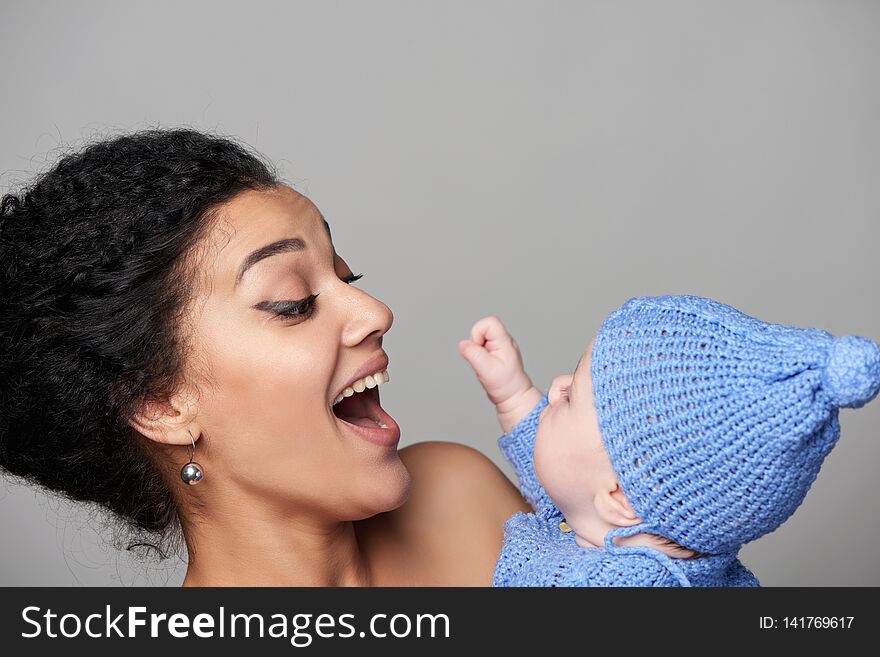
{"x":495,"y":358}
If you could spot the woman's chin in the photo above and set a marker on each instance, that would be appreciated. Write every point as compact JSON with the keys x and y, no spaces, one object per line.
{"x":386,"y":490}
{"x":398,"y":484}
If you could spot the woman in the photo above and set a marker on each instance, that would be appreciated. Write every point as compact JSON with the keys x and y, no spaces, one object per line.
{"x":171,"y":313}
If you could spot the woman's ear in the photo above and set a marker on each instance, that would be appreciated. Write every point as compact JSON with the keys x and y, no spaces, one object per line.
{"x":613,"y":507}
{"x":167,"y":422}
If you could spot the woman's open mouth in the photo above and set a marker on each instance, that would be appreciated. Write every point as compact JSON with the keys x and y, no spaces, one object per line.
{"x":361,"y":413}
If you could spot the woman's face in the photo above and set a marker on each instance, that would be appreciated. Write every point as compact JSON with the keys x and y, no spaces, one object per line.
{"x":268,"y":381}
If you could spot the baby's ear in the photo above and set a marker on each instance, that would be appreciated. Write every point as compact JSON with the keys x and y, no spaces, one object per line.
{"x":613,"y":507}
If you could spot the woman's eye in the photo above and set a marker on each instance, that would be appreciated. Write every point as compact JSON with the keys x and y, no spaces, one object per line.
{"x":303,"y":308}
{"x":292,"y":309}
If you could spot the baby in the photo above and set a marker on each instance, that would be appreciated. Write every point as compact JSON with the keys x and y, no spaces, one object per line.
{"x":687,"y":430}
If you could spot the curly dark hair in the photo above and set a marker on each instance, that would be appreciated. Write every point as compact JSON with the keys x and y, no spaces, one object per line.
{"x":94,"y":275}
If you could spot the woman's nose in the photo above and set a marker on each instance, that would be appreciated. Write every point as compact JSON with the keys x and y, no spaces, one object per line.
{"x":369,"y":317}
{"x":559,"y":384}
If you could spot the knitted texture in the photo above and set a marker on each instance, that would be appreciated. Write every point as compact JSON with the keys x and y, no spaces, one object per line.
{"x":717,"y":423}
{"x":536,"y":553}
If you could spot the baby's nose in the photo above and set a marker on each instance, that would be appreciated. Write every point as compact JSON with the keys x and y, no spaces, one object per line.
{"x":559,"y":384}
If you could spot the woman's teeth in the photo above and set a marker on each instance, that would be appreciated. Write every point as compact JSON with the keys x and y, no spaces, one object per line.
{"x":360,"y":385}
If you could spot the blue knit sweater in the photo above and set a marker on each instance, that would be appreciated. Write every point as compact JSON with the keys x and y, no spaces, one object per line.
{"x":537,"y":553}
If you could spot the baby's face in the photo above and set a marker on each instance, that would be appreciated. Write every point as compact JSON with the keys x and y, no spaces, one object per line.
{"x":570,"y":458}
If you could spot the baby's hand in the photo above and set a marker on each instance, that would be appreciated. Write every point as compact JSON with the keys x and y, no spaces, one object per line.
{"x":495,"y":358}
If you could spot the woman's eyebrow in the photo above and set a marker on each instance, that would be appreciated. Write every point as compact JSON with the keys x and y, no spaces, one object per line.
{"x":286,"y":245}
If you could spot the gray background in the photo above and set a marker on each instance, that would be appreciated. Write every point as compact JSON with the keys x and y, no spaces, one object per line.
{"x":542,"y":161}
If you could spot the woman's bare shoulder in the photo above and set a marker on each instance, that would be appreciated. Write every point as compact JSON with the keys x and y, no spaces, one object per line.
{"x":458,"y":502}
{"x":447,"y":474}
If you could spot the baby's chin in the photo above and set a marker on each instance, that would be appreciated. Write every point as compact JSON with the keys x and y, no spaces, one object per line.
{"x":584,"y":543}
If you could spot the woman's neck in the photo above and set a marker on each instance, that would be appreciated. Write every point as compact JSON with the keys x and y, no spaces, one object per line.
{"x":248,"y":548}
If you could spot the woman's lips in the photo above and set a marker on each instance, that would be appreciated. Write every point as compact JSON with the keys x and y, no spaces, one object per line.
{"x":378,"y":363}
{"x":386,"y":436}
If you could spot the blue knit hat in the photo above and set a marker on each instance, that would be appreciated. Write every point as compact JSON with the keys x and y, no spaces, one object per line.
{"x":716,"y":423}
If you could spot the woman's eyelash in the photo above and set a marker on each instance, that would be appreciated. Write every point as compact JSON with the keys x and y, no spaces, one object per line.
{"x":303,"y":307}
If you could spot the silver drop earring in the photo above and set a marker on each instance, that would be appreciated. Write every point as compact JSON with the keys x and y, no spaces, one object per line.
{"x":191,"y":473}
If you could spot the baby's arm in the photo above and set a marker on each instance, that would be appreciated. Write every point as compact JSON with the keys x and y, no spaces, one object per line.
{"x":495,"y":358}
{"x":518,"y":447}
